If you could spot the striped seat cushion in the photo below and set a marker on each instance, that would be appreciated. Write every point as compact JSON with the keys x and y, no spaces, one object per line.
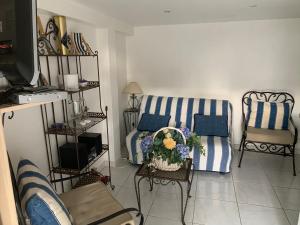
{"x":218,"y":154}
{"x":217,"y":158}
{"x":40,"y":203}
{"x":268,"y":115}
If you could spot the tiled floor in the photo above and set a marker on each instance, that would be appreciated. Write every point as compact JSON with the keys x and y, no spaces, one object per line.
{"x":262,"y":192}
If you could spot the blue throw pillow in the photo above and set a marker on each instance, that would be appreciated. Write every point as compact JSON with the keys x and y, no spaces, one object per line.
{"x":211,"y":125}
{"x":152,"y":123}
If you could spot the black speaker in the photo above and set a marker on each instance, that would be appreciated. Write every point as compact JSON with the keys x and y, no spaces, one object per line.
{"x":92,"y":140}
{"x":68,"y":155}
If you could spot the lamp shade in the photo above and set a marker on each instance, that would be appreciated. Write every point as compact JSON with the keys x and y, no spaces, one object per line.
{"x":133,"y":88}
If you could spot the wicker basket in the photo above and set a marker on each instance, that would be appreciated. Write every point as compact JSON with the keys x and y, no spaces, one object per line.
{"x":161,"y":164}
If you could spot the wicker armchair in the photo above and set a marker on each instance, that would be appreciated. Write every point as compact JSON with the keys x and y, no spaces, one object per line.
{"x":268,"y":140}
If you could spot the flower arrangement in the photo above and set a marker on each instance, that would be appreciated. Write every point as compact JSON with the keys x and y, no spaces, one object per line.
{"x":170,"y":145}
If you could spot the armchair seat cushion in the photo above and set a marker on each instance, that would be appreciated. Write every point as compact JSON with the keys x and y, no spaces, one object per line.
{"x":282,"y":137}
{"x":93,"y":202}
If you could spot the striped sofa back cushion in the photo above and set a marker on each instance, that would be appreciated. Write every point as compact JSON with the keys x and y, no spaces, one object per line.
{"x":39,"y":202}
{"x":268,"y":115}
{"x":182,"y":110}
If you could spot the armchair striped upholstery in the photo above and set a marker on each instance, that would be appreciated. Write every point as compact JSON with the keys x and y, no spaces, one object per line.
{"x":218,"y":149}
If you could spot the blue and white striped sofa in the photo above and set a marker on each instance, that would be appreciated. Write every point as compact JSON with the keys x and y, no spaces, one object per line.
{"x":218,"y":149}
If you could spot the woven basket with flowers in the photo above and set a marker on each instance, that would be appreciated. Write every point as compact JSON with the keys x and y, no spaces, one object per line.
{"x":169,"y":147}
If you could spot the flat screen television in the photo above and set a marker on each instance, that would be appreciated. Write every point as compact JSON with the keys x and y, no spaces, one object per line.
{"x":18,"y":42}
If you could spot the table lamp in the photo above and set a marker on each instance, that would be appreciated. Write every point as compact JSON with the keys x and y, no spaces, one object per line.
{"x":133,"y":88}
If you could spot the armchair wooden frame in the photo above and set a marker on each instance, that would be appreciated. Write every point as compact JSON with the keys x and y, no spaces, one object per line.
{"x":267,"y":147}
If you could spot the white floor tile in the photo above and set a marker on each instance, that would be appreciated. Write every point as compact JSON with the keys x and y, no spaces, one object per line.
{"x":119,"y":174}
{"x":215,"y":190}
{"x":214,"y":195}
{"x":115,"y":191}
{"x":289,"y":198}
{"x":167,"y":205}
{"x":245,"y":174}
{"x":144,"y":184}
{"x":256,"y":194}
{"x":250,"y":160}
{"x":161,"y":221}
{"x":175,"y":189}
{"x":127,"y":197}
{"x":283,"y":179}
{"x":213,"y":176}
{"x":215,"y":212}
{"x":276,"y":163}
{"x":258,"y":215}
{"x":293,"y":216}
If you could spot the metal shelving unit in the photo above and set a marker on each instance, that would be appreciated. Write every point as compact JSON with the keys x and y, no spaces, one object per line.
{"x":71,"y":129}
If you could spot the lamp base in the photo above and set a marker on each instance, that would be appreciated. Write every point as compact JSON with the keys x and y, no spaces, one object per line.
{"x":133,"y":102}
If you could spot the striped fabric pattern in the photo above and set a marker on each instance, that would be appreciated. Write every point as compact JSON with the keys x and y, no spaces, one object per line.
{"x":39,"y":202}
{"x":182,"y":110}
{"x":217,"y":158}
{"x":268,"y":115}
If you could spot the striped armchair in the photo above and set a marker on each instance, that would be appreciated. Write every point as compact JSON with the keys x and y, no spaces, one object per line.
{"x":218,"y":149}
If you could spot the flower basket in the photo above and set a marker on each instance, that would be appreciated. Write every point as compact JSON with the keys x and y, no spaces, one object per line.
{"x":169,"y":147}
{"x":164,"y":165}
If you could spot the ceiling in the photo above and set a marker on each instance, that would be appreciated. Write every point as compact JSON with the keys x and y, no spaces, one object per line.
{"x":151,"y":12}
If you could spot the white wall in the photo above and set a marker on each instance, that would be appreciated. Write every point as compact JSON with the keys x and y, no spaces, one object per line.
{"x":217,"y":60}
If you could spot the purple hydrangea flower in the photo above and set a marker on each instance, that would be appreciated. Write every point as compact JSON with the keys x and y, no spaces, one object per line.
{"x":146,"y":143}
{"x":186,"y":132}
{"x":183,"y":150}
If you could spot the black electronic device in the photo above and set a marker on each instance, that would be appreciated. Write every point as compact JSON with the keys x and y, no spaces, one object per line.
{"x":93,"y":140}
{"x":69,"y":158}
{"x":18,"y":39}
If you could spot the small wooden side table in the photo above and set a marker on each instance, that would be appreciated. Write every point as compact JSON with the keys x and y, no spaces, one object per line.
{"x":184,"y":174}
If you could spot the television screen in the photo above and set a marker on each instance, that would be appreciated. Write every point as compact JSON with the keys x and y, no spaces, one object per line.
{"x":18,"y":41}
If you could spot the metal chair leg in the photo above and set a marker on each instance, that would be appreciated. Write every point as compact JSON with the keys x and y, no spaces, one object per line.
{"x":241,"y":149}
{"x":284,"y":153}
{"x":242,"y":140}
{"x":294,"y":166}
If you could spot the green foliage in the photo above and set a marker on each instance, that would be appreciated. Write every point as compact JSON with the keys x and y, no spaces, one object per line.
{"x":159,"y":150}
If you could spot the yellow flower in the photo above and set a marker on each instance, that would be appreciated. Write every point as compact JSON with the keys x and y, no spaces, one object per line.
{"x":169,"y":143}
{"x":168,"y":135}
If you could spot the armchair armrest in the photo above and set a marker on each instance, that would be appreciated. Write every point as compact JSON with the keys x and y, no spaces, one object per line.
{"x":123,"y":211}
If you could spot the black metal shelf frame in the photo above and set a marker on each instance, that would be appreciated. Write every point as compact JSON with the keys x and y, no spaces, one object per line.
{"x":72,"y":130}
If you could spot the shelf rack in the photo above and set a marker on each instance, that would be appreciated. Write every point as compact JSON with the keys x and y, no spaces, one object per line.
{"x":71,"y":129}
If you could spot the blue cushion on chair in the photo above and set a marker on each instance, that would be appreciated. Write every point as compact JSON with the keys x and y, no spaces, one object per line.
{"x":211,"y":125}
{"x":40,"y":203}
{"x":152,"y":123}
{"x":268,"y":115}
